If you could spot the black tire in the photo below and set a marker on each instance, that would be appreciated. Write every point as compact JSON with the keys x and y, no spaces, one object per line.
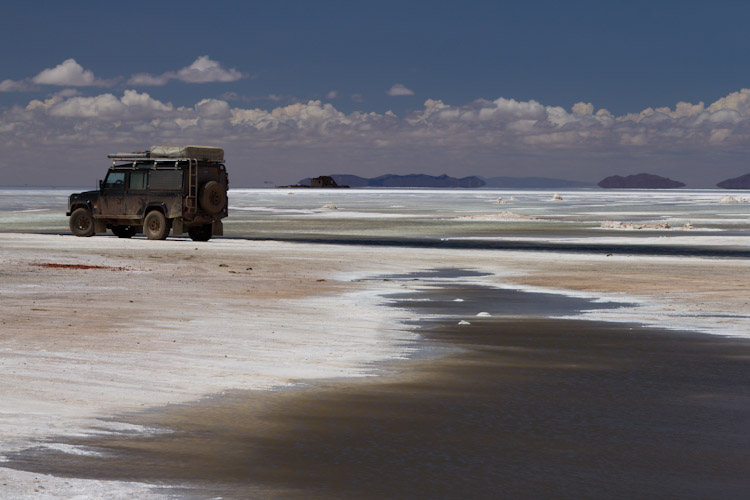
{"x":123,"y":231}
{"x":81,"y":222}
{"x":201,"y":233}
{"x":212,"y":197}
{"x":156,"y":226}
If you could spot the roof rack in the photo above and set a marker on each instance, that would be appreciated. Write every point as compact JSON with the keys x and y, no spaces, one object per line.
{"x":149,"y":163}
{"x":201,"y":153}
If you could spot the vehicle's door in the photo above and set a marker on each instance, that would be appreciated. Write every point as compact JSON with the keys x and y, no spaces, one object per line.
{"x":135,"y":196}
{"x":112,"y":194}
{"x":165,"y":189}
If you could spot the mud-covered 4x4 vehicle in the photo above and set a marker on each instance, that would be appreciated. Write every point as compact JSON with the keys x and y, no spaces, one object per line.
{"x":177,"y":188}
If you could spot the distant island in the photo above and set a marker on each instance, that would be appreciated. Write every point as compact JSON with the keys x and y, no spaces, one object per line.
{"x":741,"y":182}
{"x":322,"y":182}
{"x":639,"y":181}
{"x":445,"y":181}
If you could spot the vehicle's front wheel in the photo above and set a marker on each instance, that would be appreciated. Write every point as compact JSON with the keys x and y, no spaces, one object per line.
{"x":201,"y":233}
{"x":123,"y":231}
{"x":155,"y":226}
{"x":81,"y":222}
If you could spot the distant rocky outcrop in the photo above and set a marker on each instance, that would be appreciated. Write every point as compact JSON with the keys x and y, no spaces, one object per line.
{"x":639,"y":181}
{"x":411,"y":180}
{"x":324,"y":181}
{"x":741,"y":182}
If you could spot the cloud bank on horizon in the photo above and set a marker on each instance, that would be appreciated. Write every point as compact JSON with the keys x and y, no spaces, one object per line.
{"x":498,"y":136}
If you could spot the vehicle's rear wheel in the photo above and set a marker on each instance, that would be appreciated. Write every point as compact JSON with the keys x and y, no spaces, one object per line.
{"x":201,"y":233}
{"x":81,"y":222}
{"x":212,"y":197}
{"x":123,"y":231}
{"x":156,"y":226}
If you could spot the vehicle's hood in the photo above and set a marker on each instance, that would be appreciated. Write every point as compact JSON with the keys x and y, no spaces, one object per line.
{"x":86,"y":195}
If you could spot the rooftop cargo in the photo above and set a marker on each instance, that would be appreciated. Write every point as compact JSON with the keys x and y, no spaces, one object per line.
{"x":206,"y":153}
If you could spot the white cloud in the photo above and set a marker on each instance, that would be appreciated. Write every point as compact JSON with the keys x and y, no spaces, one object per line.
{"x":333,"y":94}
{"x":69,"y":74}
{"x":213,"y":108}
{"x":202,"y":70}
{"x":738,"y":101}
{"x":184,"y":123}
{"x":131,"y":105}
{"x":399,"y":89}
{"x":16,"y":86}
{"x":313,"y":116}
{"x":583,"y":108}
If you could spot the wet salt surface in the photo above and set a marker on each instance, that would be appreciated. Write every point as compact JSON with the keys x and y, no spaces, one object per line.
{"x":441,"y":299}
{"x":521,"y":408}
{"x":441,"y":273}
{"x":430,"y":213}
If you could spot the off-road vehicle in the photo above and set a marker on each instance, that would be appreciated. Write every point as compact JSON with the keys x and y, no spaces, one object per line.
{"x":177,"y":188}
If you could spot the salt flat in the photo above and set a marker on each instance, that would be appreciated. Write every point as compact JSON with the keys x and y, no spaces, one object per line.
{"x":151,"y":323}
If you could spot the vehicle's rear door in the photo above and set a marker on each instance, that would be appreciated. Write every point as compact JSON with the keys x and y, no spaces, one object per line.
{"x":165,"y":189}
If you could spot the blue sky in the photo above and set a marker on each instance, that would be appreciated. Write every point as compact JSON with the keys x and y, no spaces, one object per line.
{"x":576,"y":89}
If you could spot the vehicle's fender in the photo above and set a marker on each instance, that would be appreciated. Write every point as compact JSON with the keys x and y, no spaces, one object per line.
{"x":156,"y":205}
{"x":79,"y":204}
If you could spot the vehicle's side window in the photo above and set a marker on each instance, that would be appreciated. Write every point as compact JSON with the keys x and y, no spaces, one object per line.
{"x":115,"y":180}
{"x":137,"y":180}
{"x":165,"y":179}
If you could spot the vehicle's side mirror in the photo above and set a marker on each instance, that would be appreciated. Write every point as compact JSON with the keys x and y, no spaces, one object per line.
{"x":101,"y":183}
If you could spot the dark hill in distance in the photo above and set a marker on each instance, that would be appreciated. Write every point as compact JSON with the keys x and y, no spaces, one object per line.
{"x":444,"y":181}
{"x":741,"y":182}
{"x":533,"y":182}
{"x":639,"y":181}
{"x":412,"y":180}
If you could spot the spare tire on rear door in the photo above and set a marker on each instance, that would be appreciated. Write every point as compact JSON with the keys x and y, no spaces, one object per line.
{"x":212,"y":197}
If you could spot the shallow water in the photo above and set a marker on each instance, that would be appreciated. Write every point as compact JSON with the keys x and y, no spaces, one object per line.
{"x":522,"y":408}
{"x":533,"y":409}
